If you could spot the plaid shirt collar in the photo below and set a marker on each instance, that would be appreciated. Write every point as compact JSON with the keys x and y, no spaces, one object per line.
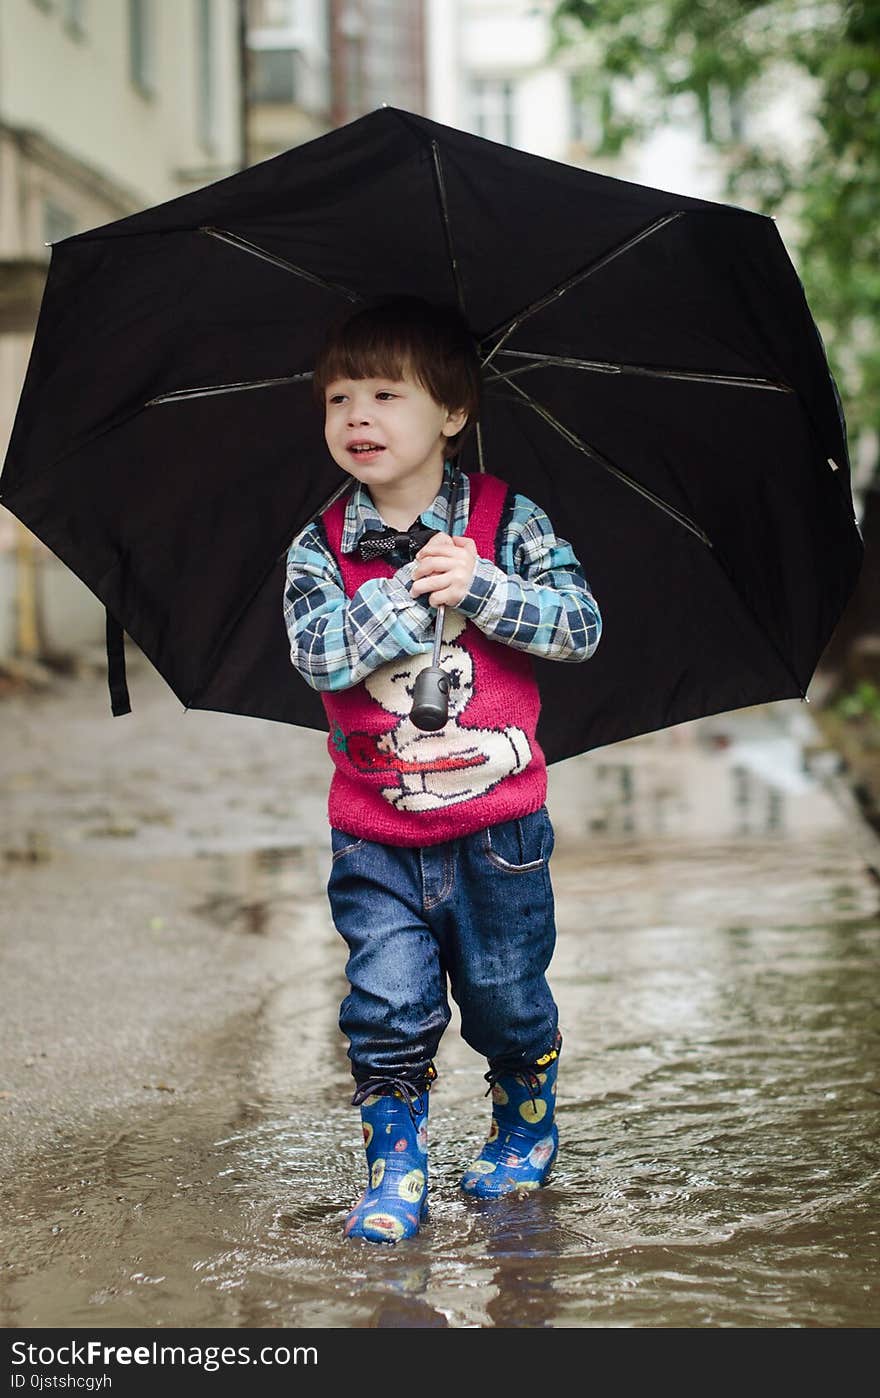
{"x":361,"y":514}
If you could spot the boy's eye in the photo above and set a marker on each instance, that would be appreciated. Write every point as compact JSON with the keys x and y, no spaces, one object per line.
{"x":341,"y":397}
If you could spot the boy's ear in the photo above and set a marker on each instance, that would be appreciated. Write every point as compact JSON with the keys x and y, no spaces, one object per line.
{"x":455,"y":421}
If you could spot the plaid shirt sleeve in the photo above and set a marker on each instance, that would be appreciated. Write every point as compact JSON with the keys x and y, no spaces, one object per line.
{"x":335,"y":641}
{"x":538,"y":600}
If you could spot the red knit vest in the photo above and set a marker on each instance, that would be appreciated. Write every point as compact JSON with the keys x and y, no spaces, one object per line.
{"x":399,"y":785}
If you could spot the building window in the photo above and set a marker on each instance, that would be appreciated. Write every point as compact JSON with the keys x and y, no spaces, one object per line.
{"x":57,"y":222}
{"x":276,"y":75}
{"x":74,"y":12}
{"x":142,"y":45}
{"x":492,"y":109}
{"x":206,"y":90}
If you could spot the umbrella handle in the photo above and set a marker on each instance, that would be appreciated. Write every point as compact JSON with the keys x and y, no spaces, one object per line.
{"x":430,"y":705}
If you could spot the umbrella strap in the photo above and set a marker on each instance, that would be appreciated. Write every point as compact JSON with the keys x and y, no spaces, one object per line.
{"x":119,"y":701}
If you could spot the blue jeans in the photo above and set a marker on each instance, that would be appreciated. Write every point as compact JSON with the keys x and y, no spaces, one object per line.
{"x":477,"y":911}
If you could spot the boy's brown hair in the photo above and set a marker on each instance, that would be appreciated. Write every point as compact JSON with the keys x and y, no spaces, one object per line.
{"x":406,"y":335}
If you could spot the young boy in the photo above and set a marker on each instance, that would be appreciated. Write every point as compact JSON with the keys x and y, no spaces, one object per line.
{"x":440,"y":839}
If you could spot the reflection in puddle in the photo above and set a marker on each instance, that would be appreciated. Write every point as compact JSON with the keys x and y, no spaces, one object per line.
{"x":718,"y":1092}
{"x":744,"y":774}
{"x":717,"y":1110}
{"x":247,"y":889}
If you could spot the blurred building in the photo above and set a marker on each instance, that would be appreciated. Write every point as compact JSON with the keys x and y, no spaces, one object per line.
{"x":317,"y":64}
{"x":106,"y":107}
{"x":493,"y":70}
{"x":109,"y":106}
{"x":378,"y":56}
{"x":288,"y":74}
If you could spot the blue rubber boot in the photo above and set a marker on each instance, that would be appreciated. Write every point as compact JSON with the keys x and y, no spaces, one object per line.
{"x":395,"y":1202}
{"x":523,"y":1137}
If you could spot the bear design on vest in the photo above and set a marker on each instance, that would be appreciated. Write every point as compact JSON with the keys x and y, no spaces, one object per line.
{"x":454,"y":763}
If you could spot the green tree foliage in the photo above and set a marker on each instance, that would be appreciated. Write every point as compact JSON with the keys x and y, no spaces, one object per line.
{"x":731,"y":56}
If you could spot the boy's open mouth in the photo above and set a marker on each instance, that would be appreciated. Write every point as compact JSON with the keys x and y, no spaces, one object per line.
{"x":365,"y":448}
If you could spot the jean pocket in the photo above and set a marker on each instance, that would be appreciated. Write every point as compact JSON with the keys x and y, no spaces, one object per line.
{"x":522,"y":845}
{"x":341,"y":843}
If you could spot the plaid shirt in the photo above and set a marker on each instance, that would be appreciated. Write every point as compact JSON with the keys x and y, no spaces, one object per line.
{"x":537,"y":600}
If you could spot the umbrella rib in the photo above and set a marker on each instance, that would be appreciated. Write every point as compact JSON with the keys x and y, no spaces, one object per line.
{"x":506,"y":329}
{"x":243,"y":245}
{"x":182,"y":393}
{"x":603,"y":366}
{"x":603,"y":461}
{"x":479,"y":433}
{"x":670,"y":510}
{"x":453,"y":263}
{"x":178,"y":395}
{"x":447,"y":230}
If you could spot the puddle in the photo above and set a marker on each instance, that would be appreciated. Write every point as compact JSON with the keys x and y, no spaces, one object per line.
{"x":172,"y":1060}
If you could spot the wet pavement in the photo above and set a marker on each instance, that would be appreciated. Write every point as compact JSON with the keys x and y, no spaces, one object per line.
{"x":177,"y":1145}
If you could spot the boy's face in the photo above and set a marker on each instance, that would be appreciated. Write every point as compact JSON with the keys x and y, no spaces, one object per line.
{"x":400,"y":430}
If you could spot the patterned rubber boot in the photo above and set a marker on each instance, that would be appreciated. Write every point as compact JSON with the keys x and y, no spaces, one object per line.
{"x":523,"y":1137}
{"x":395,"y":1202}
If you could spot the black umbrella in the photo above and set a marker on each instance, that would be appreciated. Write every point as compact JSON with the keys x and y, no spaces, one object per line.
{"x":653,"y":378}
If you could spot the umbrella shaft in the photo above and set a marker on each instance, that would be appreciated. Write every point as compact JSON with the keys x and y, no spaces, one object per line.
{"x":438,"y":635}
{"x":441,"y":611}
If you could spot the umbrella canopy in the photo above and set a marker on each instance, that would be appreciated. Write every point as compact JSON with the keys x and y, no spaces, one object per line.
{"x":653,"y":378}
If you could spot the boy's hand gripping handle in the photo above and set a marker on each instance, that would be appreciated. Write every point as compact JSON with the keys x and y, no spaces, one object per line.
{"x":430,"y":705}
